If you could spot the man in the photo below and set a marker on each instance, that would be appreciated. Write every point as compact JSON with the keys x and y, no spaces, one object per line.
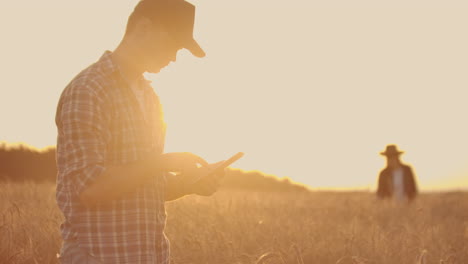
{"x":397,"y":179}
{"x":113,"y":176}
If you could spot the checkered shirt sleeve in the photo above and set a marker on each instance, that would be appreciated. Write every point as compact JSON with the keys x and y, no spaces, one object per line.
{"x":84,"y":137}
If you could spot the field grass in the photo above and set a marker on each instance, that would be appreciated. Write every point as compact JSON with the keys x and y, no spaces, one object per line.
{"x":267,"y":228}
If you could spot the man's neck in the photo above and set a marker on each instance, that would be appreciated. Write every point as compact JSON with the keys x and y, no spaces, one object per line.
{"x":127,"y":63}
{"x":395,"y":166}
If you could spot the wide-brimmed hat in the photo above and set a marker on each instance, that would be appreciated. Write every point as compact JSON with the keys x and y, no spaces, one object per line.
{"x":391,"y":150}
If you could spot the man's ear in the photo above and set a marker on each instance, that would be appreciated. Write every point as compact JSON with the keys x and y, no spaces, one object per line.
{"x":143,"y":27}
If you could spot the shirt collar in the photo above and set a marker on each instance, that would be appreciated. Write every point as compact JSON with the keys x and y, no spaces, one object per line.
{"x":108,"y":65}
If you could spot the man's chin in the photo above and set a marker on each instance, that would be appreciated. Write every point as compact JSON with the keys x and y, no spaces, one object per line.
{"x":156,"y":69}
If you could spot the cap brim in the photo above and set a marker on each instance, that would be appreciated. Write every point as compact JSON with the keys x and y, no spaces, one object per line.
{"x":391,"y":153}
{"x":195,"y":49}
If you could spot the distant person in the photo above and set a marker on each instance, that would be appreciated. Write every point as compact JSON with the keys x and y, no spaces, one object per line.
{"x":113,"y":175}
{"x":396,"y":180}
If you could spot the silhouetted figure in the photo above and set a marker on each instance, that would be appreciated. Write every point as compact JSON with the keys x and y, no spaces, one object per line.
{"x":113,"y":175}
{"x":396,"y":180}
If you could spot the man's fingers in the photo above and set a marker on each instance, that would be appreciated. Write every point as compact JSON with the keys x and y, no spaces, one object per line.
{"x":213,"y":166}
{"x":202,"y":162}
{"x":216,"y":164}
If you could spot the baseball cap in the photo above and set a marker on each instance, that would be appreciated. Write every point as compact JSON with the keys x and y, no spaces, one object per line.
{"x":178,"y":16}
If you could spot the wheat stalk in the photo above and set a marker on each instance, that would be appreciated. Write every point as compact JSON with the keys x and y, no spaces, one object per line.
{"x":298,"y":254}
{"x":269,"y":255}
{"x":422,"y":257}
{"x":342,"y":259}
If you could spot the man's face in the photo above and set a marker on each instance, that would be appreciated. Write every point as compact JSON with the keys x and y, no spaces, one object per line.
{"x":393,"y":161}
{"x":160,"y":49}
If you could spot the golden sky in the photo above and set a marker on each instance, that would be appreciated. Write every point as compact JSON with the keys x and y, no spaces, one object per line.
{"x":313,"y":90}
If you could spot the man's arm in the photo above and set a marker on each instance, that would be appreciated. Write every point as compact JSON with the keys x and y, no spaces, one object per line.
{"x":411,"y":182}
{"x":382,"y":186}
{"x":115,"y":182}
{"x":82,"y":155}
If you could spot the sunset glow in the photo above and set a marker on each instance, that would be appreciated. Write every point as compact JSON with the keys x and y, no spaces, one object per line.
{"x":312,"y":90}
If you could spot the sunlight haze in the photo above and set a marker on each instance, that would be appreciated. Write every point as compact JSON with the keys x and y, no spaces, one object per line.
{"x":311,"y":90}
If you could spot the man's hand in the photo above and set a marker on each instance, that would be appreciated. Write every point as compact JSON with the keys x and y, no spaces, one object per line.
{"x":194,"y":180}
{"x":207,"y":184}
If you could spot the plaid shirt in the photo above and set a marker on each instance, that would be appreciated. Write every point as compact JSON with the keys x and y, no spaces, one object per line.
{"x":100,"y":123}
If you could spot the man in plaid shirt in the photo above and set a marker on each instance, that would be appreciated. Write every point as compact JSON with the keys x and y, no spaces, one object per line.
{"x":113,"y":175}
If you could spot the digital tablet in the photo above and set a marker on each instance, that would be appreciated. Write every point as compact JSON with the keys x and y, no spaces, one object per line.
{"x":226,"y":163}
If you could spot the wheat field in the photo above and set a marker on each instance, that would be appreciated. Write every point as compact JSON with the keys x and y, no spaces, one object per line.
{"x":236,"y":227}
